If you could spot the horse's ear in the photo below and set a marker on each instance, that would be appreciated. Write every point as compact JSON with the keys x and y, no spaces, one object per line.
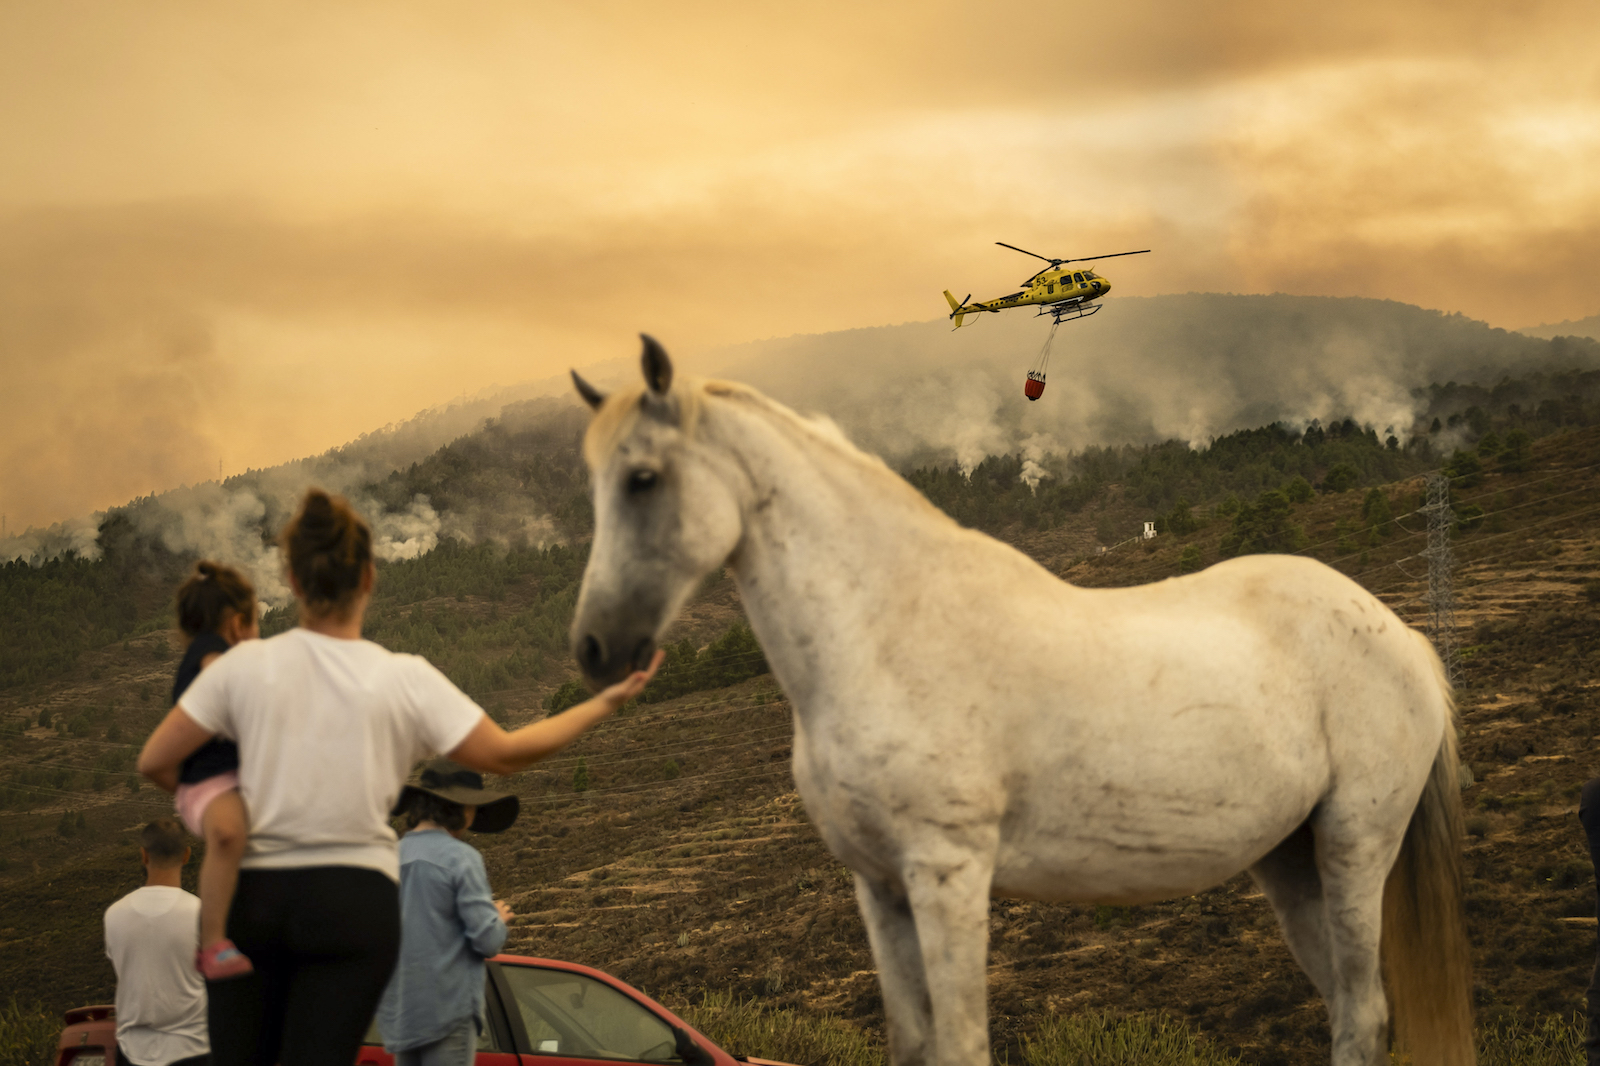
{"x":591,"y":395}
{"x":657,"y":367}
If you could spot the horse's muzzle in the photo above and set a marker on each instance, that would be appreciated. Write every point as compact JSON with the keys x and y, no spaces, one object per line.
{"x":605,"y":662}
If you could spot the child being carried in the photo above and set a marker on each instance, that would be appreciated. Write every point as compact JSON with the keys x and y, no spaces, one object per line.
{"x":216,"y":610}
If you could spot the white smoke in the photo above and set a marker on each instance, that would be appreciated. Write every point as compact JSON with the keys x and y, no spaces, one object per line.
{"x":1143,"y":370}
{"x":412,"y":532}
{"x":35,"y":546}
{"x":236,"y":521}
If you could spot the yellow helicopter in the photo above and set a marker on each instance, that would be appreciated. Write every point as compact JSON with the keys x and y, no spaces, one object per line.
{"x":1063,"y":294}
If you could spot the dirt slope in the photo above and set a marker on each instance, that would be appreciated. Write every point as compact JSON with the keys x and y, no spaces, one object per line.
{"x":689,"y":864}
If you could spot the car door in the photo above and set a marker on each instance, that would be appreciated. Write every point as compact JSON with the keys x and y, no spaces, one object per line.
{"x":560,"y":1017}
{"x":495,"y":1044}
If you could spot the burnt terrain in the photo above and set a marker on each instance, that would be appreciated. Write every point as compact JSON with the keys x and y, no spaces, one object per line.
{"x":688,"y":865}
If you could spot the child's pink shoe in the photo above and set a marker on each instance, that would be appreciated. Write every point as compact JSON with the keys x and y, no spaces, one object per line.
{"x":221,"y":961}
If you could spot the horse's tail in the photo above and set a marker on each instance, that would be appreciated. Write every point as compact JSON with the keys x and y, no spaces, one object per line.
{"x":1426,"y":957}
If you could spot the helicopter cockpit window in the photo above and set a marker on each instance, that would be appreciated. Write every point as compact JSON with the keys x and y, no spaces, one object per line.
{"x":1077,"y":277}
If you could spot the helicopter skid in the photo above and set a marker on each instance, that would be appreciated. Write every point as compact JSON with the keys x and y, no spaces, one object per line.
{"x":1068,"y":312}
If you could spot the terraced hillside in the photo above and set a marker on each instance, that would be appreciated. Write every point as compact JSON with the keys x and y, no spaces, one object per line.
{"x":687,"y":865}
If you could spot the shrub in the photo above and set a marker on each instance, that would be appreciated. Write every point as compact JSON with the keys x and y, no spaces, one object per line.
{"x":1464,"y":470}
{"x":1375,"y":511}
{"x":1549,"y":1040}
{"x":748,"y":1029}
{"x":28,"y":1035}
{"x":1099,"y":1039}
{"x":1298,"y":489}
{"x":1180,"y":521}
{"x":1469,"y":518}
{"x":731,"y":658}
{"x":1513,"y":457}
{"x":1341,"y":477}
{"x":1263,"y":526}
{"x":568,"y":695}
{"x":580,"y":776}
{"x":1190,"y":561}
{"x":44,"y":717}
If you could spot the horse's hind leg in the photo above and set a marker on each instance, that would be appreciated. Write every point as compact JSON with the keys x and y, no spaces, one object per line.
{"x":892,"y":932}
{"x":1289,"y":879}
{"x":1325,"y":883}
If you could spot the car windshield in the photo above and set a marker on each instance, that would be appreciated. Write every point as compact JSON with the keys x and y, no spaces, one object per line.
{"x":575,"y":1016}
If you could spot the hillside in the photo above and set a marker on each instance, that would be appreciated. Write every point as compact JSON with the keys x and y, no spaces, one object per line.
{"x":1583,"y":327}
{"x":687,"y":864}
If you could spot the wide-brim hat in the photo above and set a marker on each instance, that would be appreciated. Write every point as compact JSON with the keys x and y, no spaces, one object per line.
{"x":454,"y":783}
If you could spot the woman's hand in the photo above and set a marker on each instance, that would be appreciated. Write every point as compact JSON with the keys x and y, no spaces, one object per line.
{"x":633,"y":684}
{"x":492,"y":750}
{"x":175,"y":739}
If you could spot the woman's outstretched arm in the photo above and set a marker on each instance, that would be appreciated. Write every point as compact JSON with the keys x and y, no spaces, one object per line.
{"x":175,"y":739}
{"x":492,"y":750}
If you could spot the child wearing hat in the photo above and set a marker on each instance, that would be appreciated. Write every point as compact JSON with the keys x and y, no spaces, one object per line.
{"x":432,"y":1010}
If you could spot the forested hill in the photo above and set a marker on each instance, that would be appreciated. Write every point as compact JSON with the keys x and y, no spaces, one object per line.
{"x":1583,"y":327}
{"x":512,"y":518}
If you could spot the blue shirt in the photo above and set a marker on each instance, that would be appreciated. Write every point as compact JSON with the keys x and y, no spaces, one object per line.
{"x":448,"y":926}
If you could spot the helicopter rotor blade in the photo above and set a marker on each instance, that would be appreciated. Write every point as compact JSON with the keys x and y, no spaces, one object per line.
{"x":1113,"y":255}
{"x":1036,"y":255}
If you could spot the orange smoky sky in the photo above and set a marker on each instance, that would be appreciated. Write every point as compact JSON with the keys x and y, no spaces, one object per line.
{"x":240,"y":233}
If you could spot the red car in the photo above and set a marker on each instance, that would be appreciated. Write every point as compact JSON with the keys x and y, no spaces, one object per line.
{"x":541,"y":1013}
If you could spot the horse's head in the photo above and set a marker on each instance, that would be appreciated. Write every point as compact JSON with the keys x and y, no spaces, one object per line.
{"x":665,"y":516}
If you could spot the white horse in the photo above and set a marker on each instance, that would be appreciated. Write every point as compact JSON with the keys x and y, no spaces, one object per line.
{"x":967,"y":725}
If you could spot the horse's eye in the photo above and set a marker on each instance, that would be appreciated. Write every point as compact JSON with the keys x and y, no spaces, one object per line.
{"x":642,"y":480}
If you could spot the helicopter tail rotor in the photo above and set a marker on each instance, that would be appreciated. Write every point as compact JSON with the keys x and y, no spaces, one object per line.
{"x":957,"y":310}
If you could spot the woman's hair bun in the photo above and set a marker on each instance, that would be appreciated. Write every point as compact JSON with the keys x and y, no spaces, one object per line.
{"x":329,"y":547}
{"x":318,"y":517}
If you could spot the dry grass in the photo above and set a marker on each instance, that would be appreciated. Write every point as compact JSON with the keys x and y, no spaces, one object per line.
{"x":28,"y":1035}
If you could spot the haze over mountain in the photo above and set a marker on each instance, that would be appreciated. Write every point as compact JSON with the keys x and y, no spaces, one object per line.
{"x":1187,"y":367}
{"x":1582,"y":327}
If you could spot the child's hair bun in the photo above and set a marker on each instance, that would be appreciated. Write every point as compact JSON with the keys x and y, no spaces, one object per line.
{"x":211,"y":592}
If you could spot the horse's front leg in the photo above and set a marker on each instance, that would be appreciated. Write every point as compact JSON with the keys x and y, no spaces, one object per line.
{"x":949,"y":898}
{"x":892,"y":931}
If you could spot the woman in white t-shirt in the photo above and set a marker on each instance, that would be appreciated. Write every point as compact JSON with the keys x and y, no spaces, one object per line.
{"x":328,"y":726}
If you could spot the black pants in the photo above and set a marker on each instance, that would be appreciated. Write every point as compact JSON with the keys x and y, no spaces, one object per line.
{"x":323,"y":940}
{"x":1589,"y":815}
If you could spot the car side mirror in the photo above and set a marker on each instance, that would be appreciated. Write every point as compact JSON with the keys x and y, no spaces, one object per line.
{"x":691,"y":1053}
